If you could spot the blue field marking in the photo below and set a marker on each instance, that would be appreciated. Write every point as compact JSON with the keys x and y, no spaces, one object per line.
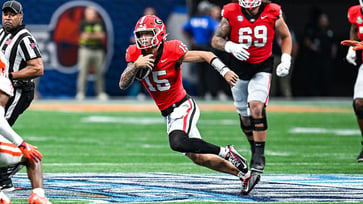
{"x":167,"y":187}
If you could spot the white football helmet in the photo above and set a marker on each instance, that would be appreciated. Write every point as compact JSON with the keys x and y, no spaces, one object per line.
{"x":250,"y":4}
{"x":361,"y":3}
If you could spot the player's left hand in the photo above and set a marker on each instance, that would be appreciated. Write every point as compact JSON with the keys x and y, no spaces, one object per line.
{"x":238,"y":50}
{"x":355,"y":44}
{"x":30,"y":152}
{"x":231,"y":78}
{"x":283,"y":68}
{"x":144,"y":62}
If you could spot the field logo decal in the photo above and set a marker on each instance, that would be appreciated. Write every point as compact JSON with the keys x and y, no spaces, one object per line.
{"x":167,"y":187}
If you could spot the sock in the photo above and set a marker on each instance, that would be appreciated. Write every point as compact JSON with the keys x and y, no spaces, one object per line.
{"x":223,"y":152}
{"x":242,"y":175}
{"x":252,"y":145}
{"x":201,"y":146}
{"x":39,"y":192}
{"x":4,"y":197}
{"x":260,"y":148}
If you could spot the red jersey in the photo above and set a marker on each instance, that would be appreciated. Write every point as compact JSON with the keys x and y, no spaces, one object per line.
{"x":257,"y":34}
{"x":355,"y":17}
{"x":164,"y":83}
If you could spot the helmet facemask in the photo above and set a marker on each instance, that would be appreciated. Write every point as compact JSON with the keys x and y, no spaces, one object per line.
{"x":250,"y":4}
{"x":146,"y":42}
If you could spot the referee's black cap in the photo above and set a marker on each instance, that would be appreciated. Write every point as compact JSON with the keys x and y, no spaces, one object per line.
{"x":14,"y":6}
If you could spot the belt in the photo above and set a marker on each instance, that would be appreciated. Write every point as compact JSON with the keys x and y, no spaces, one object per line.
{"x":170,"y":109}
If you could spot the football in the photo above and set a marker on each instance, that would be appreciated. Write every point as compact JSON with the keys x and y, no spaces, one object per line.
{"x":143,"y":73}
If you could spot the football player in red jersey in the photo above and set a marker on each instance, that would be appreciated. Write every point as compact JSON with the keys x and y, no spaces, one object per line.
{"x":355,"y":17}
{"x":246,"y":31}
{"x":157,"y":62}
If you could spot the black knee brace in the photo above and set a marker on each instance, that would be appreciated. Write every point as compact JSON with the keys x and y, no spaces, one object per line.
{"x":259,"y":121}
{"x":180,"y":142}
{"x":247,"y":129}
{"x":358,"y":111}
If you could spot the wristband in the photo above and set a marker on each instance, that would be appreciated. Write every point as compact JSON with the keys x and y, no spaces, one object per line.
{"x":218,"y":65}
{"x":10,"y":76}
{"x":285,"y":57}
{"x":224,"y":71}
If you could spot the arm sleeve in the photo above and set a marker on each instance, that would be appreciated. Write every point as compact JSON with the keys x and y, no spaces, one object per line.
{"x":8,"y":132}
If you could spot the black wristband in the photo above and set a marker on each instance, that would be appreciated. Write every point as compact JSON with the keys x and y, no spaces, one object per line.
{"x":11,"y":76}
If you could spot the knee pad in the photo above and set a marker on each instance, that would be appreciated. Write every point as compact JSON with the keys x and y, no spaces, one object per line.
{"x":179,"y":141}
{"x":358,"y":110}
{"x":256,"y":122}
{"x":247,"y":129}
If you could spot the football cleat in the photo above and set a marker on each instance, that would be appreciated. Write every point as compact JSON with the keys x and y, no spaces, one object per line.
{"x":360,"y":157}
{"x":7,"y":185}
{"x":6,"y":173}
{"x":249,"y":182}
{"x":236,"y":159}
{"x":36,"y":199}
{"x":258,"y":163}
{"x":4,"y":199}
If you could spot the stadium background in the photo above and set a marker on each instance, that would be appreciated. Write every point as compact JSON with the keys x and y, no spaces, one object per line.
{"x":41,"y":16}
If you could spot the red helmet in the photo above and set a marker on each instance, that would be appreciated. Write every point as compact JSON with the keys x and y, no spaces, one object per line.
{"x":153,"y":24}
{"x":249,"y":4}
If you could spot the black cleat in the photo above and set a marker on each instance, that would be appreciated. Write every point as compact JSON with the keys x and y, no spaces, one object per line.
{"x":258,"y":163}
{"x":360,"y":157}
{"x":236,"y":159}
{"x":5,"y":177}
{"x":249,"y":182}
{"x":6,"y":185}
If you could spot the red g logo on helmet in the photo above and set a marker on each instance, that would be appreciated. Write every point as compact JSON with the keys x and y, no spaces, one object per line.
{"x":151,"y":24}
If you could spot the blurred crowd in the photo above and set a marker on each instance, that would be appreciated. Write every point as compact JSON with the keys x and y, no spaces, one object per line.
{"x":315,"y":52}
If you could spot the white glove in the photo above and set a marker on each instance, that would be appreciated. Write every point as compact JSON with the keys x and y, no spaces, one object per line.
{"x":351,"y":56}
{"x":283,"y":68}
{"x":238,"y":50}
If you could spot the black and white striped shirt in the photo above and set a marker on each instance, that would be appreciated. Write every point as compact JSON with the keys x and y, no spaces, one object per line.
{"x":19,"y":46}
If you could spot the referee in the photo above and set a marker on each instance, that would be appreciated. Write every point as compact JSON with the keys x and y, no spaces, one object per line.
{"x":25,"y":64}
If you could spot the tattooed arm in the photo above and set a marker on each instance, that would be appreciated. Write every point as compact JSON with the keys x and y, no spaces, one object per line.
{"x":128,"y":76}
{"x":220,"y":36}
{"x":220,"y":42}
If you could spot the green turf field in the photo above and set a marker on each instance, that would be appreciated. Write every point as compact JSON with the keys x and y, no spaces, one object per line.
{"x":112,"y":142}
